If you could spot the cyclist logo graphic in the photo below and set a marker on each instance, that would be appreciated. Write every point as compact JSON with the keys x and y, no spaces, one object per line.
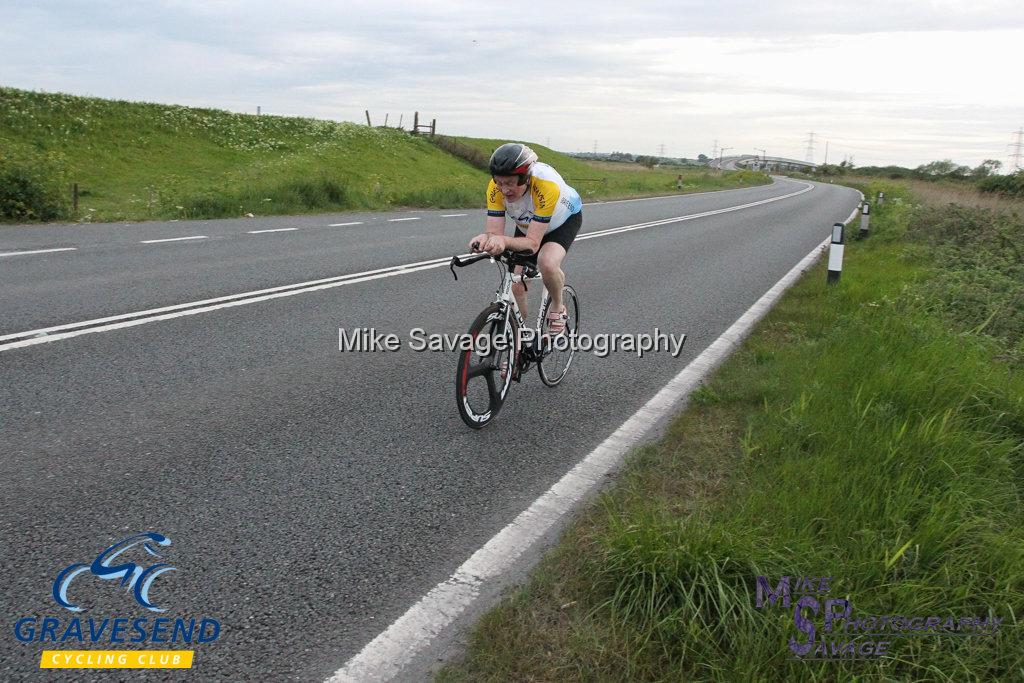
{"x":134,"y":577}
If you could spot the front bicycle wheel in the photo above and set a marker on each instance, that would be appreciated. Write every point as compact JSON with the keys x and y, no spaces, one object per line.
{"x":557,"y":353}
{"x":484,"y":374}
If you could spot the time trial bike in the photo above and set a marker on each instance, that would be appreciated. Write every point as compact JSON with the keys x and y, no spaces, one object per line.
{"x":504,"y":349}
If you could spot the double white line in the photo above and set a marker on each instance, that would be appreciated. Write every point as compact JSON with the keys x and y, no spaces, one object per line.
{"x":45,"y":335}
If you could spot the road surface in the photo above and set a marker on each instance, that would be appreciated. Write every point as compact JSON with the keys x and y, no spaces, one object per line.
{"x":312,"y":495}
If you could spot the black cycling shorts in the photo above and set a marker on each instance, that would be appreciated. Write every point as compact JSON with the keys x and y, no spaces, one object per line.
{"x":564,"y":234}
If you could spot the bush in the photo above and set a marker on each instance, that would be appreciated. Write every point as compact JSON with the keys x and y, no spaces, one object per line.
{"x":467,"y":153}
{"x":1004,"y":184}
{"x":980,"y":287}
{"x":33,"y":189}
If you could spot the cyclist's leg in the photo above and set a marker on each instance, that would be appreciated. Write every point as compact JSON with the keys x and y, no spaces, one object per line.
{"x":519,"y":292}
{"x":549,"y":263}
{"x":518,"y":289}
{"x":553,"y":249}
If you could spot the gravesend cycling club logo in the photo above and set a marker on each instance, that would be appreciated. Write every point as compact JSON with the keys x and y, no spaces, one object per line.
{"x":132,"y":565}
{"x":134,"y":577}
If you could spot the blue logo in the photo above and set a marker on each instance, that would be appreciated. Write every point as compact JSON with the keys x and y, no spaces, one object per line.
{"x":843,"y":634}
{"x":133,"y":576}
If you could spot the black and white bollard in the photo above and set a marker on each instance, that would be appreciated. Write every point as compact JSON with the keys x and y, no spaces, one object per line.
{"x":865,"y":220}
{"x":835,"y":254}
{"x":881,"y":198}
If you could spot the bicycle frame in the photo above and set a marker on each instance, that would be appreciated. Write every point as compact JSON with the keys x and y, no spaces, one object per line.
{"x":503,"y":297}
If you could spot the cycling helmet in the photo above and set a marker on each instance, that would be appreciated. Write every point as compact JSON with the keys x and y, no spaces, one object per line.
{"x":512,"y":158}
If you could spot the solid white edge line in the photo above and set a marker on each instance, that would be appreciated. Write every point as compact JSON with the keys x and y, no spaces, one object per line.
{"x":453,"y":215}
{"x":175,"y":239}
{"x":36,"y":251}
{"x":384,"y":658}
{"x":43,"y":335}
{"x":341,"y":225}
{"x":259,"y":232}
{"x":397,"y":220}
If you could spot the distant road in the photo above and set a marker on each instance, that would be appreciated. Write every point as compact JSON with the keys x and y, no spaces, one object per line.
{"x":311,"y":495}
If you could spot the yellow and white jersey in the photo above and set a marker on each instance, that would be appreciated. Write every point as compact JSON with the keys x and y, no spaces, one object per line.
{"x":548,"y":199}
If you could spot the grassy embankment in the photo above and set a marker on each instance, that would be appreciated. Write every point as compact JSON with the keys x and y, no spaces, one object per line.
{"x":872,"y":432}
{"x":606,"y":180}
{"x":141,"y":161}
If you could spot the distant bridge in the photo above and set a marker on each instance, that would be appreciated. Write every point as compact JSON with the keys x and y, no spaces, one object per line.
{"x":756,"y":162}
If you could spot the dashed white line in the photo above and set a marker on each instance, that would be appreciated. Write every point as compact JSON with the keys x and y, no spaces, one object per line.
{"x":341,"y":225}
{"x":176,"y":239}
{"x":396,"y":220}
{"x":45,"y":335}
{"x":36,"y":251}
{"x":257,"y":232}
{"x":453,"y":215}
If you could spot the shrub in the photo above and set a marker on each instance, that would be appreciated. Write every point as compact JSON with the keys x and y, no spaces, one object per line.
{"x":33,"y":188}
{"x":467,"y":153}
{"x":1004,"y":184}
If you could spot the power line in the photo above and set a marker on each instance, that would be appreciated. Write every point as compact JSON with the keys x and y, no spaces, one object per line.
{"x":810,"y":148}
{"x":1018,"y":150}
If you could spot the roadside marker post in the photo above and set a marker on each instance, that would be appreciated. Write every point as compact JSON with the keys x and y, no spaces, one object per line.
{"x":835,"y":254}
{"x":881,"y":198}
{"x":865,"y":220}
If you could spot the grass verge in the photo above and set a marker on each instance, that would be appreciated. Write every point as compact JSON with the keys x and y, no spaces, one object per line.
{"x":871,"y":432}
{"x":138,"y":161}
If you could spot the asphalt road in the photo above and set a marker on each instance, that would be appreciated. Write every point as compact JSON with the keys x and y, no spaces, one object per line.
{"x":312,"y":495}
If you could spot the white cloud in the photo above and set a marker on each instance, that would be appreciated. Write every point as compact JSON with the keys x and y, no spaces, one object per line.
{"x":883,"y":81}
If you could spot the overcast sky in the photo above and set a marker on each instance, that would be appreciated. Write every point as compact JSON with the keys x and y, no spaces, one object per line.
{"x":883,"y":82}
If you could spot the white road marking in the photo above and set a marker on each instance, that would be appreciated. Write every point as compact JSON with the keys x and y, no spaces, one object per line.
{"x":44,"y":334}
{"x":396,"y":220}
{"x":690,"y":217}
{"x":258,"y":232}
{"x":36,"y":251}
{"x":121,"y":321}
{"x":341,"y":225}
{"x":678,"y":195}
{"x":385,"y":657}
{"x":453,"y":215}
{"x":175,"y":239}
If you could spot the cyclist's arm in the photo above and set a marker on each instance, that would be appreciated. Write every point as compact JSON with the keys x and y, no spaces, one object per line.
{"x":545,"y":199}
{"x":534,"y":234}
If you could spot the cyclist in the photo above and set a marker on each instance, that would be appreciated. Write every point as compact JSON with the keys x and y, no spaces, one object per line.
{"x":547,"y":214}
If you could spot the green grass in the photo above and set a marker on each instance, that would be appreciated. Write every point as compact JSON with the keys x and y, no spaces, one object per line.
{"x":597,"y":181}
{"x":139,"y":161}
{"x":872,"y":432}
{"x":136,"y":161}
